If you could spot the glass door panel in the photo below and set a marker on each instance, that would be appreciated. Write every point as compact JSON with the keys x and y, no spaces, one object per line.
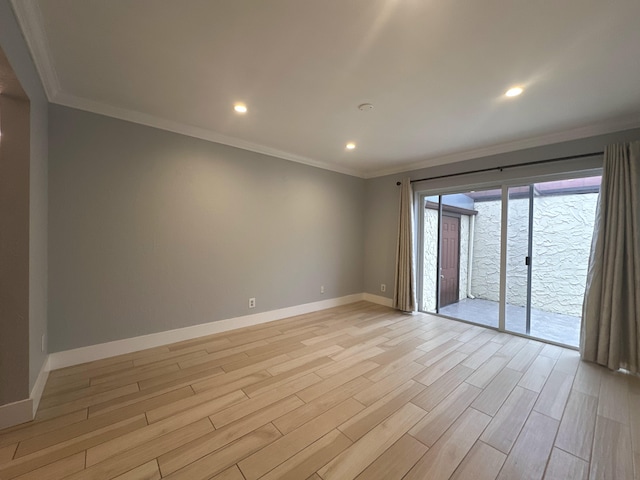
{"x":547,"y":237}
{"x":563,"y":220}
{"x":518,"y":260}
{"x":470,"y":256}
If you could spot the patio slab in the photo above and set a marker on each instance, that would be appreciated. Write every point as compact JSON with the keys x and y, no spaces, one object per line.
{"x":555,"y":327}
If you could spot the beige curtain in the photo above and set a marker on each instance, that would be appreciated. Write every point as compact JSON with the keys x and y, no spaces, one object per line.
{"x":611,"y":309}
{"x":404,"y":296}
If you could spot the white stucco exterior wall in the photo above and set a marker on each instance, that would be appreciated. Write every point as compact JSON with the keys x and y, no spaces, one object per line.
{"x":464,"y":256}
{"x":562,"y":226}
{"x":485,"y":280}
{"x":430,"y":235}
{"x":562,"y":231}
{"x":561,"y":251}
{"x":430,"y":259}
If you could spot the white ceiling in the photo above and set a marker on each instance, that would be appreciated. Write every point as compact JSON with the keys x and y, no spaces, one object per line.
{"x":435,"y":71}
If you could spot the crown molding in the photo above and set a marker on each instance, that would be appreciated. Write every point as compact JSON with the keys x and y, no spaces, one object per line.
{"x":191,"y":131}
{"x":603,"y":128}
{"x":29,"y":18}
{"x":31,"y":22}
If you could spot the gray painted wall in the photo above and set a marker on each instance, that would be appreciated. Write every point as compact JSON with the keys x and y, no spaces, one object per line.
{"x":16,"y":50}
{"x":381,"y":205}
{"x":151,"y":231}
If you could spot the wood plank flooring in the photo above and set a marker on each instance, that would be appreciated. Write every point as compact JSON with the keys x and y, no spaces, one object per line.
{"x":355,"y":392}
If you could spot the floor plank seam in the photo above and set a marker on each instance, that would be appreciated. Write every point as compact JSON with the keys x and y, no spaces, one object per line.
{"x":363,"y":357}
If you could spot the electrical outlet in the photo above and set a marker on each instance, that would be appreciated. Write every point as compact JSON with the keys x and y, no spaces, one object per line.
{"x":252,"y":303}
{"x":383,"y":287}
{"x":321,"y":288}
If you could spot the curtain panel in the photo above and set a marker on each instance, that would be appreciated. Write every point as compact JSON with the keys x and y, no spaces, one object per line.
{"x":404,"y":296}
{"x":611,"y":308}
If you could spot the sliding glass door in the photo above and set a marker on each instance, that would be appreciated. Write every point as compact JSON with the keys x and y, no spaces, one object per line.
{"x":518,"y":248}
{"x":461,"y":255}
{"x":533,"y":239}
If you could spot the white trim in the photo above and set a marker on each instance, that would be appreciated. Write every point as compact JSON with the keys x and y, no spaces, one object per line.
{"x":38,"y":387}
{"x":419,"y":247}
{"x":29,"y":17}
{"x":128,"y":345}
{"x":602,"y":128}
{"x":370,"y":297}
{"x":141,"y":118}
{"x":16,"y":413}
{"x":25,"y":410}
{"x":513,"y":176}
{"x":79,"y":103}
{"x":504,"y":245}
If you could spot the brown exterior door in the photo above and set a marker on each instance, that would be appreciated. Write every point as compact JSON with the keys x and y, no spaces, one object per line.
{"x":449,"y":260}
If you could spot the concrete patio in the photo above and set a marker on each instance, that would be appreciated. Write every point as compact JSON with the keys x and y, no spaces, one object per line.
{"x":555,"y":327}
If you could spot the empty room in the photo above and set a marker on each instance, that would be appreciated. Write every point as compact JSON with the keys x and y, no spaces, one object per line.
{"x":330,"y":240}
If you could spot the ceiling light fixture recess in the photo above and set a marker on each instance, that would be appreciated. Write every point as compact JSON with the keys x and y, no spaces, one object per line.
{"x":365,"y":107}
{"x":351,"y":146}
{"x":514,"y":91}
{"x":240,"y":108}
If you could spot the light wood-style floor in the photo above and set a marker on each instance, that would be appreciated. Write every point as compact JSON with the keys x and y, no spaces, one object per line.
{"x":358,"y":391}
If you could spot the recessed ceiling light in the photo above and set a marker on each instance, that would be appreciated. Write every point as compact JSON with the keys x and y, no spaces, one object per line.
{"x":514,"y":91}
{"x":351,"y":146}
{"x":240,"y":108}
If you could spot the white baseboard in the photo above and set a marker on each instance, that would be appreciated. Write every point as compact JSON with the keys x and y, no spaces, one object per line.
{"x":38,"y":387}
{"x":16,"y":413}
{"x":24,"y":411}
{"x":119,"y":347}
{"x":369,"y":297}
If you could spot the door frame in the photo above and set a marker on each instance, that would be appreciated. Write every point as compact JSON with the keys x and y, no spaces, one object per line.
{"x":528,"y":176}
{"x":457,"y":216}
{"x":504,"y":229}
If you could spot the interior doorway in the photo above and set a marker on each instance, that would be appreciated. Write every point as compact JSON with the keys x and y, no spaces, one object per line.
{"x":14,"y":236}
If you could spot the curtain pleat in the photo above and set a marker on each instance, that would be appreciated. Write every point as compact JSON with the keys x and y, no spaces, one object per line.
{"x":611,"y":308}
{"x":404,"y":296}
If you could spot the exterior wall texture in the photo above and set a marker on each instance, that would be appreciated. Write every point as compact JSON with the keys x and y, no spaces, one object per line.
{"x":381,"y":193}
{"x":485,"y":280}
{"x":561,"y":251}
{"x":430,"y":258}
{"x":562,"y":231}
{"x":464,"y":256}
